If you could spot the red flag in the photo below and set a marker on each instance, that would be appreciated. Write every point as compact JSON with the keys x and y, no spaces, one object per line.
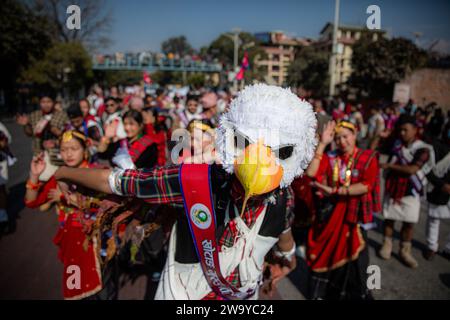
{"x":240,"y":74}
{"x":147,"y":78}
{"x":244,"y":66}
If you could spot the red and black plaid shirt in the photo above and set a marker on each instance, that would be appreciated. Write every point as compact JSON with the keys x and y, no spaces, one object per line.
{"x":161,"y":186}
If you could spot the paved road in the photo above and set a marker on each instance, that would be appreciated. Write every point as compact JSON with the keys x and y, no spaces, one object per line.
{"x":29,"y":268}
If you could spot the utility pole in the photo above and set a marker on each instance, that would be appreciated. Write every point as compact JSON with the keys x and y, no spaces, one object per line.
{"x":332,"y":65}
{"x":236,"y":54}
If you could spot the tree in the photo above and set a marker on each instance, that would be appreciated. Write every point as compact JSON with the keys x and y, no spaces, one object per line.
{"x":109,"y":78}
{"x":64,"y":66}
{"x":95,"y":21}
{"x":177,"y":45}
{"x":167,"y":77}
{"x":222,"y":49}
{"x":309,"y":71}
{"x":378,"y":65}
{"x":196,"y":80}
{"x":22,"y":38}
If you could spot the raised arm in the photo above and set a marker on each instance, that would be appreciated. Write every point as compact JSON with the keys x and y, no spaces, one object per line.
{"x":95,"y":179}
{"x":157,"y":186}
{"x":326,"y":138}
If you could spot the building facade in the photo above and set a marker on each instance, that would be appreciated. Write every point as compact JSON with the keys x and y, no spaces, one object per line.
{"x":280,"y":50}
{"x":346,"y":38}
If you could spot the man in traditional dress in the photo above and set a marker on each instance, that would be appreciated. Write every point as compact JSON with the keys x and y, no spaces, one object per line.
{"x":237,"y":211}
{"x":410,"y":162}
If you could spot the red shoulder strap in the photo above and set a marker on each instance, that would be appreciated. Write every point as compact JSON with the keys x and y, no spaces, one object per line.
{"x":198,"y":203}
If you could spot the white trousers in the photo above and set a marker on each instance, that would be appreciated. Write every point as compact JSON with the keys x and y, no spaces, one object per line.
{"x":433,"y":235}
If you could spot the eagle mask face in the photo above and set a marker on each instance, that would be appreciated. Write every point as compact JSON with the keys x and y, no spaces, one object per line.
{"x":267,"y":138}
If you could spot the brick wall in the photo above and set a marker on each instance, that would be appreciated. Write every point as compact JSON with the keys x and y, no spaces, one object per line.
{"x":428,"y":85}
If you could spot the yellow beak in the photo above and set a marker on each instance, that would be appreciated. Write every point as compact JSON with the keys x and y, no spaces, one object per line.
{"x":257,"y":170}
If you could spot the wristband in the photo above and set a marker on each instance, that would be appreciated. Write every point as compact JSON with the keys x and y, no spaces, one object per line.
{"x":287,"y":255}
{"x":318,"y":156}
{"x":33,"y":186}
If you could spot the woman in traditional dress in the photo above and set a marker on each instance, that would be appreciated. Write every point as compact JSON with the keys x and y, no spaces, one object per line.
{"x":82,"y":276}
{"x":141,"y":147}
{"x":347,"y":182}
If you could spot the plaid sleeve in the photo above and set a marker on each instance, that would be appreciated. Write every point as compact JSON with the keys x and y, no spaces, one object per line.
{"x":34,"y":118}
{"x":159,"y":185}
{"x":59,"y":120}
{"x":290,"y":203}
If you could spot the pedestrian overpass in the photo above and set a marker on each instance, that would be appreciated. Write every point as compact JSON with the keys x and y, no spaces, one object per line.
{"x":151,"y":64}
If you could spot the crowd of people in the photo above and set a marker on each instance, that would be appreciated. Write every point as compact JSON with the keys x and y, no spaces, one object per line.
{"x":124,"y":208}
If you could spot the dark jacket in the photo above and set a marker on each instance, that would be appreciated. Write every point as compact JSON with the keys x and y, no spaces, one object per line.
{"x":437,"y":196}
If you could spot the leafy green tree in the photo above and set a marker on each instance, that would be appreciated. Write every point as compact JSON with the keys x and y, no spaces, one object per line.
{"x":23,"y":37}
{"x":309,"y":71}
{"x":378,"y":65}
{"x":167,"y":77}
{"x":177,"y":45}
{"x":109,"y":78}
{"x":64,"y":65}
{"x":222,"y":48}
{"x":196,"y":80}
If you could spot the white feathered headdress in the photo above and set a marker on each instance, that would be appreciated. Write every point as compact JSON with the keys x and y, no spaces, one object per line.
{"x":286,"y":124}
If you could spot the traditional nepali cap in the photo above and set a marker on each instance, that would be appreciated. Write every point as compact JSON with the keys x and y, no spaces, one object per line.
{"x":345,"y":124}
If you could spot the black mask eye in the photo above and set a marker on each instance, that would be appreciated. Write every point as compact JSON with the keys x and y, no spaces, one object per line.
{"x":240,"y":141}
{"x":285,"y":152}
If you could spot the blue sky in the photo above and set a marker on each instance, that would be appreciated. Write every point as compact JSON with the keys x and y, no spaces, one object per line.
{"x":143,"y":25}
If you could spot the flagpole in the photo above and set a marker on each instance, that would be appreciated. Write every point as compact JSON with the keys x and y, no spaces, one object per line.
{"x":235,"y":56}
{"x":332,"y":63}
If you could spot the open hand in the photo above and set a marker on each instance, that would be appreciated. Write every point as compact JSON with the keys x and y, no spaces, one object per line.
{"x":327,"y":135}
{"x":37,"y":165}
{"x":326,"y":190}
{"x":22,"y":119}
{"x":54,"y":195}
{"x":111,"y":129}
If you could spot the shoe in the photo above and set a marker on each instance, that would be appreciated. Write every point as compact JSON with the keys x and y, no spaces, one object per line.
{"x":445,"y":254}
{"x":406,"y":256}
{"x":386,"y":249}
{"x":429,"y":254}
